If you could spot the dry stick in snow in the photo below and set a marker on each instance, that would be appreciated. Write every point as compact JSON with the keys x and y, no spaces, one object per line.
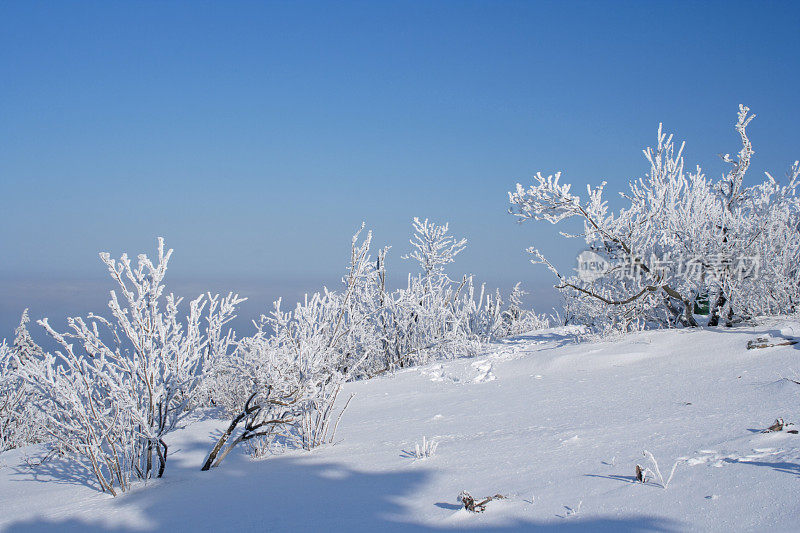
{"x":476,"y":507}
{"x":249,"y":414}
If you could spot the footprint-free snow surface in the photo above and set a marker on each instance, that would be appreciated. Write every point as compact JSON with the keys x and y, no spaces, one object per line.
{"x":555,"y":426}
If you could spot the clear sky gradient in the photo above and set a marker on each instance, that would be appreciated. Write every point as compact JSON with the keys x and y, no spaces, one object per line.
{"x":256,"y":136}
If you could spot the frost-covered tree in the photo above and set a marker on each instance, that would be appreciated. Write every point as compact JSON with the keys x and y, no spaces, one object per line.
{"x":20,"y":421}
{"x":680,"y":239}
{"x":12,"y":402}
{"x":24,"y":345}
{"x":9,"y":397}
{"x":118,"y":386}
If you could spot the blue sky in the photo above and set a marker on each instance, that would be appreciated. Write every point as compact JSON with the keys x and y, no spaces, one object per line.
{"x":256,"y":136}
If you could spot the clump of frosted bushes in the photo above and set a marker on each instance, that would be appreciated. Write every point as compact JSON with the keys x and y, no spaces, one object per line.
{"x":117,"y":386}
{"x":682,"y":243}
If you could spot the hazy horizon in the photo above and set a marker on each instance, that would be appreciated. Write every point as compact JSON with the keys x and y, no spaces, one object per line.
{"x":59,"y":298}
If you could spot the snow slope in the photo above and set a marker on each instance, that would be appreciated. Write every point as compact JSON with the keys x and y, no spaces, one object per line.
{"x":555,"y":426}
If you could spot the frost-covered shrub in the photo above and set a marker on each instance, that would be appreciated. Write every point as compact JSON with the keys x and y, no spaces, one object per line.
{"x":118,"y":387}
{"x":427,"y":320}
{"x":682,"y":239}
{"x":643,"y":475}
{"x":434,"y":317}
{"x":283,"y":382}
{"x":426,"y":449}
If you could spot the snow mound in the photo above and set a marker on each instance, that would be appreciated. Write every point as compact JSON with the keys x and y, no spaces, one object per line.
{"x":556,"y":426}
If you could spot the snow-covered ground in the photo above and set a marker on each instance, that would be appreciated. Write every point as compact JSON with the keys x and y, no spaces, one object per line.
{"x":556,"y":427}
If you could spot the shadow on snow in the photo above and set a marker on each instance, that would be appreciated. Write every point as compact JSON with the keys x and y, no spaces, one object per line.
{"x":292,"y":492}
